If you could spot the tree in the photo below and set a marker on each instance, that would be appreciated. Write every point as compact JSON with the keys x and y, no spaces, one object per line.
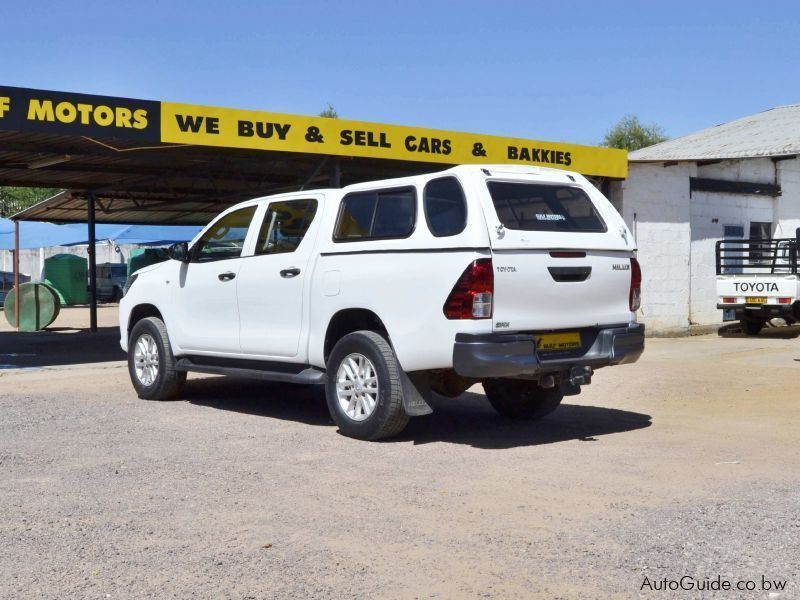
{"x":15,"y":199}
{"x":330,"y":112}
{"x":631,"y":134}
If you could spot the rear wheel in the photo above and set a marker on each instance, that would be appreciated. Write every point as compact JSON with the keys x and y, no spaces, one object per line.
{"x":752,"y":326}
{"x":363,"y":390}
{"x":521,"y":399}
{"x":151,"y":364}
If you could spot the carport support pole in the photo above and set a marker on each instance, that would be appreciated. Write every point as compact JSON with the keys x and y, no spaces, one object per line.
{"x":335,"y":174}
{"x":16,"y":274}
{"x":92,"y":265}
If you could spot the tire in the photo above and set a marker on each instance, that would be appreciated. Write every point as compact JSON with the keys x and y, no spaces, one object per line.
{"x":164,"y":382}
{"x":359,"y":413}
{"x":520,"y":399}
{"x":752,"y":326}
{"x":117,"y":295}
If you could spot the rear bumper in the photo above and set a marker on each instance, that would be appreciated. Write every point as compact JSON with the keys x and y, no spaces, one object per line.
{"x":513,"y":355}
{"x":764,"y":310}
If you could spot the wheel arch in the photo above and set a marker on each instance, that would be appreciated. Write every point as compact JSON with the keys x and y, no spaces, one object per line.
{"x":349,"y":320}
{"x":142,"y":311}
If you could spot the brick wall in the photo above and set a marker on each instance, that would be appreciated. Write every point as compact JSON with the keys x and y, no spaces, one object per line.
{"x":787,"y":209}
{"x":655,"y":205}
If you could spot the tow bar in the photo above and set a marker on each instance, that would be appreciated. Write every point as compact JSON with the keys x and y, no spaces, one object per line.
{"x":580,"y":375}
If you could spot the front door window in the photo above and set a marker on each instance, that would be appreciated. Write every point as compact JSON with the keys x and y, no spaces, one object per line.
{"x":225,"y":238}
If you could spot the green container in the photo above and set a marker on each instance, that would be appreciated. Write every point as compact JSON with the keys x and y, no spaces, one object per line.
{"x":141,"y":257}
{"x":69,"y":276}
{"x":40,"y":306}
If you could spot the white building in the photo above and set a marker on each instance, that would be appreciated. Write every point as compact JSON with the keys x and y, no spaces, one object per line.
{"x":739,"y":179}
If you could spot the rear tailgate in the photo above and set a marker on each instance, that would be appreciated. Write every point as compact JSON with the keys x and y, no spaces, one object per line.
{"x":561,"y":255}
{"x":756,"y":289}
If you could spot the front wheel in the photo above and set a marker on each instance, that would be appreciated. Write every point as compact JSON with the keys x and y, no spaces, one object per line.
{"x":150,"y":361}
{"x":521,"y":399}
{"x":363,"y":389}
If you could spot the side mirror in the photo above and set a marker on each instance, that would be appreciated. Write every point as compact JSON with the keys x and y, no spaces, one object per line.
{"x":179,"y":252}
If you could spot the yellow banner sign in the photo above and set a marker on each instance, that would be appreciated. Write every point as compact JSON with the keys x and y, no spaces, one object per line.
{"x":149,"y":121}
{"x":232,"y":128}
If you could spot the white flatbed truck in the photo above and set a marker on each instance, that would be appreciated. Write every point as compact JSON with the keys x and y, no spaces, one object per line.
{"x":758,"y":279}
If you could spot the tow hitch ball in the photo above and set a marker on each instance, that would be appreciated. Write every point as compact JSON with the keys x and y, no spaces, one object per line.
{"x":580,"y":376}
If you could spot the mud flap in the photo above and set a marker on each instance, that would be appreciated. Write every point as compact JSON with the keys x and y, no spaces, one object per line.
{"x":416,"y":393}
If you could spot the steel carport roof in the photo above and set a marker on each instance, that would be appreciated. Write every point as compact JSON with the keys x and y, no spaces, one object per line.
{"x":166,"y":184}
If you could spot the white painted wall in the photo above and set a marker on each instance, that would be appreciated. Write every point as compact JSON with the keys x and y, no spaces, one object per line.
{"x":655,"y":205}
{"x":760,"y":170}
{"x":787,"y":209}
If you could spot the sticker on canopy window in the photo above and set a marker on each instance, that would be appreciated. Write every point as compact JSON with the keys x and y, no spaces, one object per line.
{"x":549,"y":217}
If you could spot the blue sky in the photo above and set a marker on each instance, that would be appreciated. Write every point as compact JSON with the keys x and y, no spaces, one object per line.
{"x":556,"y":71}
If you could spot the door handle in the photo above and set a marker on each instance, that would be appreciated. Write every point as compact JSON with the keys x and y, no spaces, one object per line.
{"x":290,"y":272}
{"x":226,"y":276}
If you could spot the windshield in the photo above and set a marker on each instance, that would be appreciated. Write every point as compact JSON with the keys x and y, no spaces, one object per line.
{"x":544,"y":207}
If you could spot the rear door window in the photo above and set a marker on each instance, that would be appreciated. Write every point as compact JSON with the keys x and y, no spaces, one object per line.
{"x":285,"y":225}
{"x":379,"y":214}
{"x":445,"y":206}
{"x":544,"y":207}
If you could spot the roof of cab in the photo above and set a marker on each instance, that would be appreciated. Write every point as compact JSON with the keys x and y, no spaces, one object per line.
{"x":486,"y":171}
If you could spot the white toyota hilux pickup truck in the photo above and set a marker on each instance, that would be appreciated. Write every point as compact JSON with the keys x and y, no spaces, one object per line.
{"x":521,"y":278}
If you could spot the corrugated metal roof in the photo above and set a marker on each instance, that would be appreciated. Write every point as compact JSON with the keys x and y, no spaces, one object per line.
{"x":134,"y":209}
{"x":774,"y":132}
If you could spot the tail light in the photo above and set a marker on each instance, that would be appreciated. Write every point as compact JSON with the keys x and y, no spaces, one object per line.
{"x":729,"y":300}
{"x":784,"y":300}
{"x":471,"y":297}
{"x":635,"y":296}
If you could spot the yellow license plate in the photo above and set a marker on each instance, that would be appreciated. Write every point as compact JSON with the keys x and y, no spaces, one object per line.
{"x":552,"y":342}
{"x":755,"y":300}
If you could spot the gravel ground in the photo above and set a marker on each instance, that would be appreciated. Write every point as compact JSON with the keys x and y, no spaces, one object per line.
{"x":685,"y":463}
{"x":746,"y":534}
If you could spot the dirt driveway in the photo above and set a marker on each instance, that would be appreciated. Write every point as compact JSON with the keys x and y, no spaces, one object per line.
{"x":686,"y":463}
